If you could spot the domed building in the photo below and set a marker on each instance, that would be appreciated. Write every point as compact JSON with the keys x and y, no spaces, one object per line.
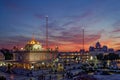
{"x":32,"y":51}
{"x":98,"y":45}
{"x":33,"y":45}
{"x":33,"y":54}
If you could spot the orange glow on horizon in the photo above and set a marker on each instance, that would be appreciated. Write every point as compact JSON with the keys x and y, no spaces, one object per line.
{"x":72,"y":47}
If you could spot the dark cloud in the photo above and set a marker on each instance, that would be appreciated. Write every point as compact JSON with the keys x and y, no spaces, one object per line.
{"x":22,"y":40}
{"x":70,"y":35}
{"x":16,"y":6}
{"x":14,"y":39}
{"x":75,"y":19}
{"x":116,"y":26}
{"x":76,"y":38}
{"x":39,"y":16}
{"x":86,"y":14}
{"x":11,"y":5}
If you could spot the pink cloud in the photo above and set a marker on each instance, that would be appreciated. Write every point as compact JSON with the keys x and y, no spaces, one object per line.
{"x":116,"y":30}
{"x":69,"y":36}
{"x":117,"y":37}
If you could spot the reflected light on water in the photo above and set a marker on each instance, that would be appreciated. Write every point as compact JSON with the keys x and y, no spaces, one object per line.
{"x":118,"y":64}
{"x":11,"y":77}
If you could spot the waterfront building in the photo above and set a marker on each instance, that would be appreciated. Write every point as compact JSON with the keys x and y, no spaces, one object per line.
{"x":105,"y":48}
{"x":98,"y":49}
{"x":98,"y":45}
{"x":32,"y":56}
{"x":91,"y":48}
{"x":118,"y":52}
{"x":111,"y":50}
{"x":72,"y":57}
{"x":32,"y":51}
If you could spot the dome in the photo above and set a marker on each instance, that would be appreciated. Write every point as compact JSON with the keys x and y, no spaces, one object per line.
{"x":98,"y":45}
{"x":33,"y":42}
{"x":33,"y":45}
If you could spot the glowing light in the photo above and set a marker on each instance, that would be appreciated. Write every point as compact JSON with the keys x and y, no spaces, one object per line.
{"x":32,"y":67}
{"x":43,"y":63}
{"x":22,"y":48}
{"x":12,"y":77}
{"x":91,"y":57}
{"x":4,"y":64}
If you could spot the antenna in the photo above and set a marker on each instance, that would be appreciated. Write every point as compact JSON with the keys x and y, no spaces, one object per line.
{"x":46,"y":32}
{"x":83,"y":36}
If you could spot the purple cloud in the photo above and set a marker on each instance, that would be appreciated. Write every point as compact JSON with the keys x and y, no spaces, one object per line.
{"x":117,"y":37}
{"x":76,"y":38}
{"x":39,"y":16}
{"x":11,"y":5}
{"x":116,"y":30}
{"x":75,"y":19}
{"x":116,"y":24}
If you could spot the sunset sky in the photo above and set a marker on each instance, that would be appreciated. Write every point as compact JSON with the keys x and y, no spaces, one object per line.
{"x":19,"y":19}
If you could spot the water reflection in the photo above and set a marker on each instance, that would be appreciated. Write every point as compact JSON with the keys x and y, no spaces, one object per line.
{"x":118,"y":64}
{"x":11,"y":77}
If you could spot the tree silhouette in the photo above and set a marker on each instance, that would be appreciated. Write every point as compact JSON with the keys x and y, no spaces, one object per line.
{"x":100,"y":56}
{"x":113,"y":56}
{"x":8,"y":55}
